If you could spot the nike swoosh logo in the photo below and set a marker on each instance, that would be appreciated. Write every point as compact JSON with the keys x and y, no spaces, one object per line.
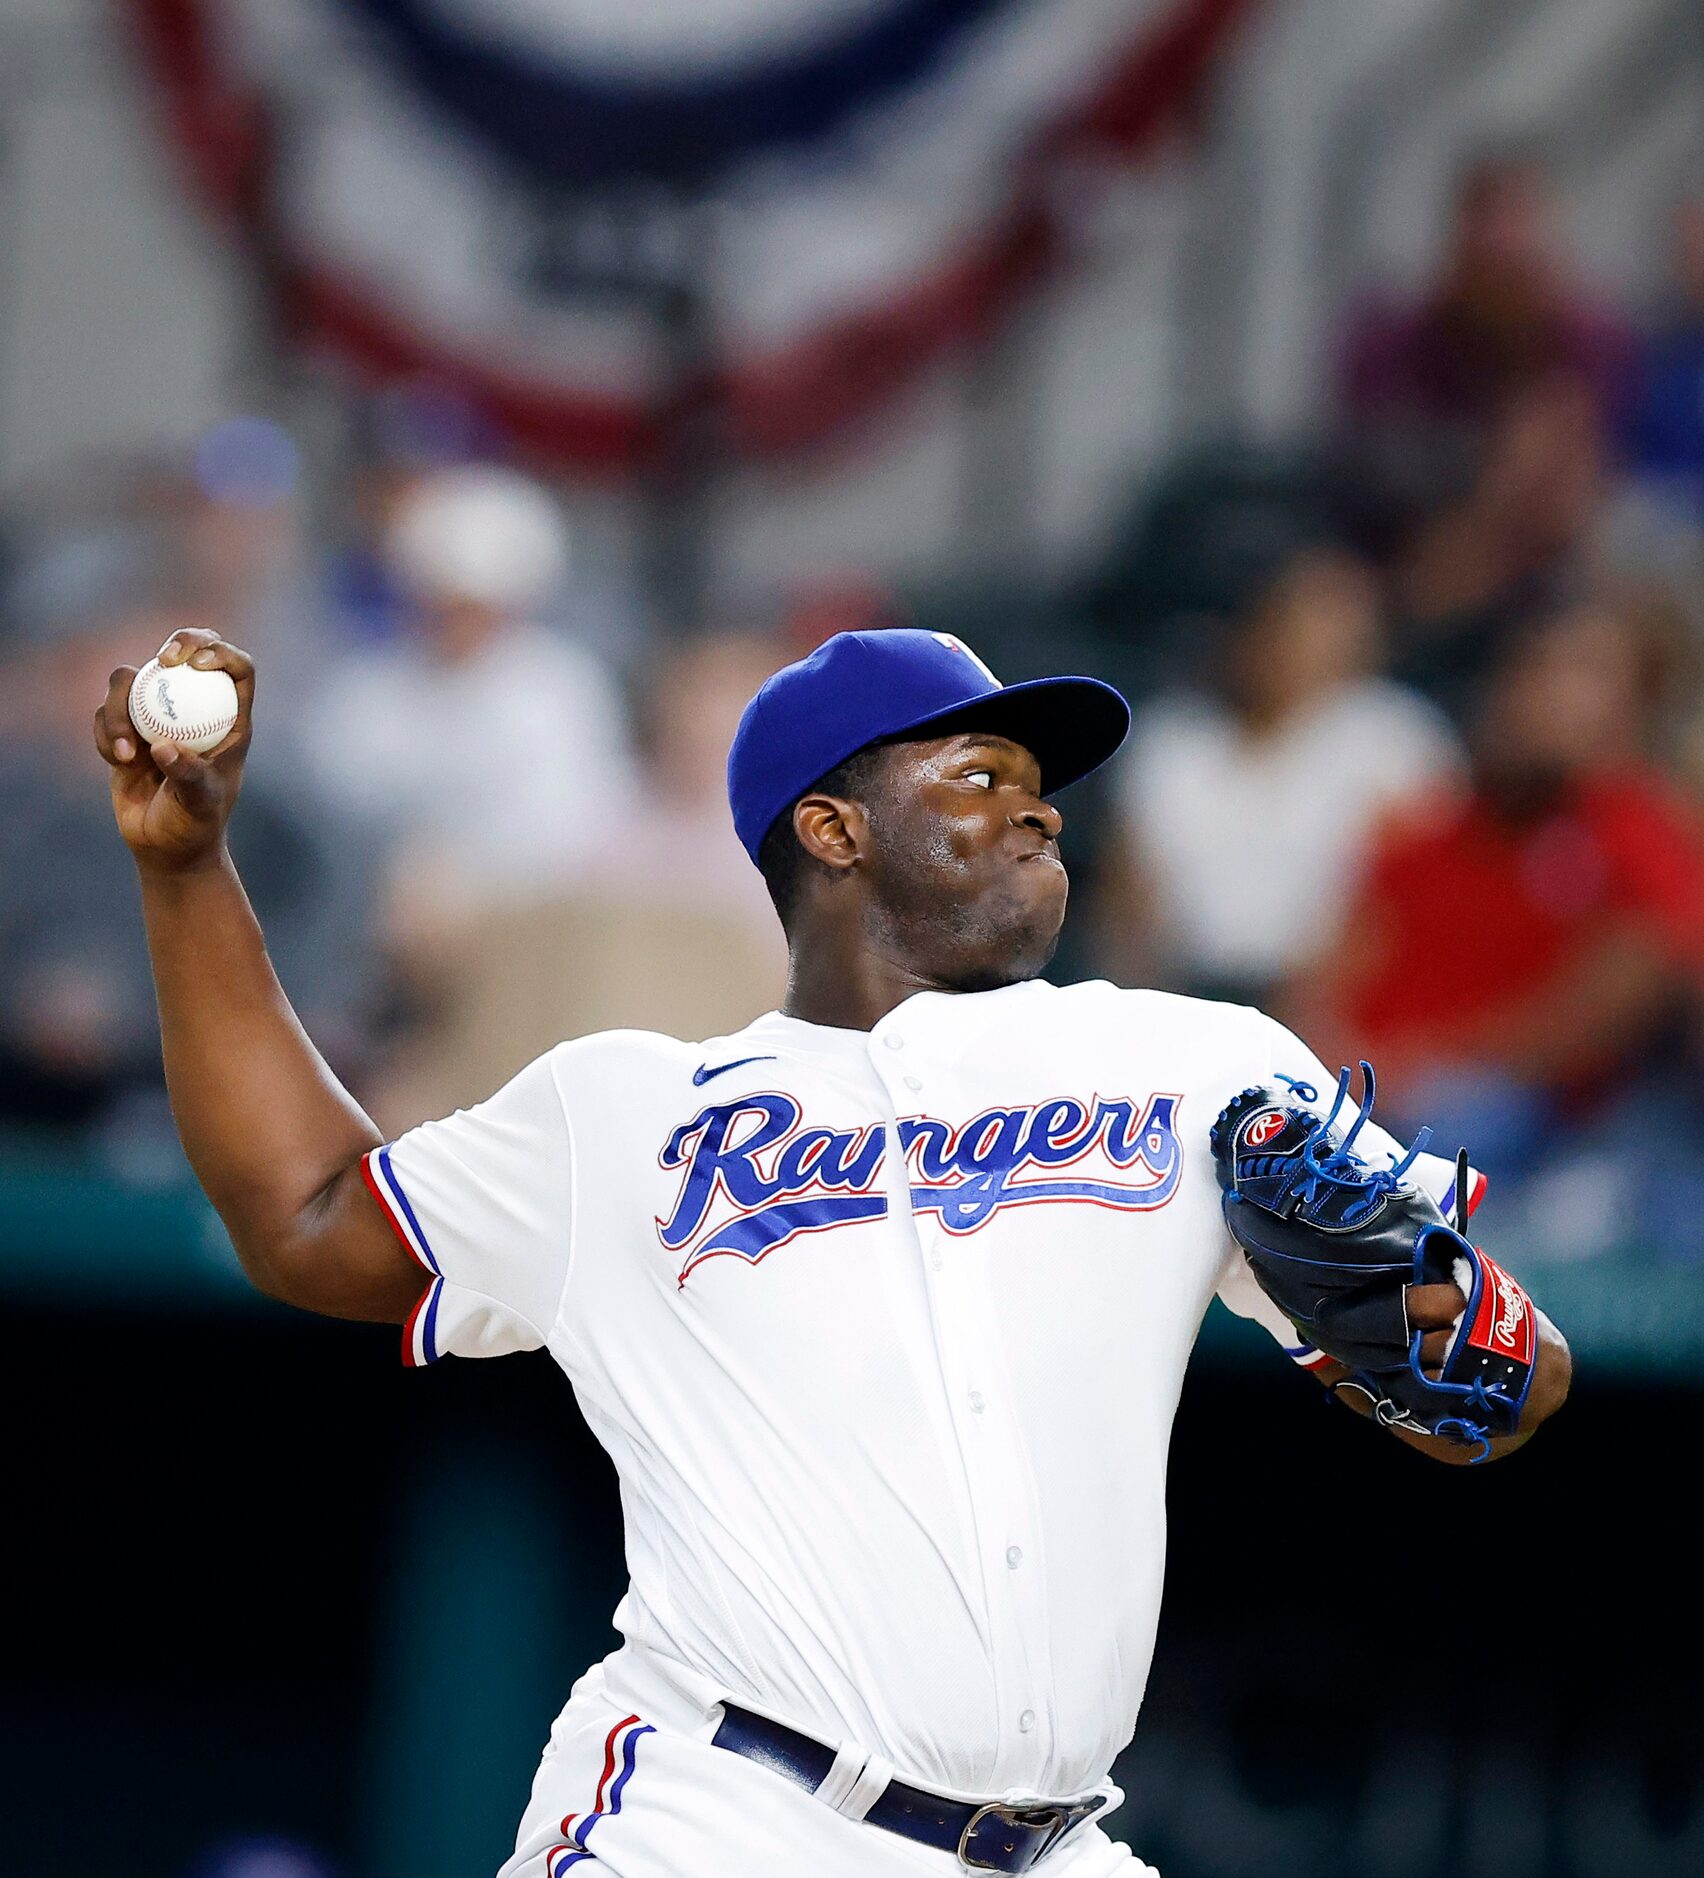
{"x":704,"y":1073}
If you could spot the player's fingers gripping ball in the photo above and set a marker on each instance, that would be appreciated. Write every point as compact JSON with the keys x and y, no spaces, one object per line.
{"x":1334,"y":1241}
{"x":182,"y":704}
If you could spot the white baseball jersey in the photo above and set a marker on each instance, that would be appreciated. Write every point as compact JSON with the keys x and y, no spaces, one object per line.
{"x":884,"y":1333}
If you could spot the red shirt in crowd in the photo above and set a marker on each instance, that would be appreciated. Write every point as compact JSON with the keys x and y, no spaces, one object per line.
{"x":1464,"y":921}
{"x":1427,"y":363}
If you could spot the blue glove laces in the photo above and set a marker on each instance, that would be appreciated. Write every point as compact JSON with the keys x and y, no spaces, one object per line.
{"x":1320,"y":1165}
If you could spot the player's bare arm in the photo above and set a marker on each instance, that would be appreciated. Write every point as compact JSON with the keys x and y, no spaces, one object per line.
{"x":1435,"y":1310}
{"x":274,"y":1138}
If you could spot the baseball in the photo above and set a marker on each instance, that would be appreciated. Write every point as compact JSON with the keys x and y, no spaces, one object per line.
{"x":184,"y":705}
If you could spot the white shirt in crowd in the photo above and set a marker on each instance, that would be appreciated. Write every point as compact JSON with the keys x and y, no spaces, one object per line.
{"x":498,"y":773}
{"x":1249,"y":845}
{"x":884,"y":1333}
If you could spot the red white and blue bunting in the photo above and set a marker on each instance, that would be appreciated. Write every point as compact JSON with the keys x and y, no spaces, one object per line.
{"x":471,"y":189}
{"x":579,"y":94}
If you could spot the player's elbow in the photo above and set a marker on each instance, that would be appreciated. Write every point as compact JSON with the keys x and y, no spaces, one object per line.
{"x":312,"y":1274}
{"x":276,"y":1267}
{"x":335,"y":1256}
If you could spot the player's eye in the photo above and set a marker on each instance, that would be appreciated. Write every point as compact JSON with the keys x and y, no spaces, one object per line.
{"x":983,"y":778}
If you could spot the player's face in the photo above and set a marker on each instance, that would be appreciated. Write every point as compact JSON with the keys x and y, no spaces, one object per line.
{"x":965,"y":877}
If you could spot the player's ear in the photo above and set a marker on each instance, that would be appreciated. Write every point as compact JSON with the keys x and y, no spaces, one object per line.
{"x":831,"y":829}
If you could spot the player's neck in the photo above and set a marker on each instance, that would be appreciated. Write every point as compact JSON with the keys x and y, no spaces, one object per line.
{"x":846,"y":986}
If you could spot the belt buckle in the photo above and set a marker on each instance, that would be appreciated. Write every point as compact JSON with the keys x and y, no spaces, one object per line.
{"x":1012,"y":1813}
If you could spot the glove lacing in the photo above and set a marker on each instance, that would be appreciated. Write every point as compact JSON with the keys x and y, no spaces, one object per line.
{"x":1317,"y":1167}
{"x":1318,"y":1164}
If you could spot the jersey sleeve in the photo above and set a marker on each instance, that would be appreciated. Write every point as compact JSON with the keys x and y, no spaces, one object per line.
{"x":1289,"y":1066}
{"x":483,"y":1200}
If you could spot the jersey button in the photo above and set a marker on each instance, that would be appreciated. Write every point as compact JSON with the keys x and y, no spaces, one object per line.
{"x":914,"y":1083}
{"x":1026,"y":1721}
{"x":894,"y":1041}
{"x":1014,"y":1557}
{"x":977,"y":1404}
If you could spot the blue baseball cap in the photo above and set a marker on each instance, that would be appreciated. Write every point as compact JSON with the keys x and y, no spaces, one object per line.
{"x":859,"y":688}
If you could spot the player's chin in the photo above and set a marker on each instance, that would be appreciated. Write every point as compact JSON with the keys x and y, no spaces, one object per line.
{"x":1038,"y":885}
{"x":1022,"y":930}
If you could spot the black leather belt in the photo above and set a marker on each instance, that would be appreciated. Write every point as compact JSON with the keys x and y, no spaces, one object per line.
{"x":999,"y":1836}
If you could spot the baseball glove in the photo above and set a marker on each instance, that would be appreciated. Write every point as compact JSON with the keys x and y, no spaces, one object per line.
{"x":1334,"y":1241}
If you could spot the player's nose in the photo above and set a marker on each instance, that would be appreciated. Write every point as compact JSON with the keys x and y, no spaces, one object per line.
{"x":1043,"y":817}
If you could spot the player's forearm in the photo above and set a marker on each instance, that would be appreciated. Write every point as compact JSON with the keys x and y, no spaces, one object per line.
{"x":267,"y":1127}
{"x":1552,"y":1377}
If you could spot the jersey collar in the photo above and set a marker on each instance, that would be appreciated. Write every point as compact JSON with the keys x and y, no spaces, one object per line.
{"x":931,"y":1013}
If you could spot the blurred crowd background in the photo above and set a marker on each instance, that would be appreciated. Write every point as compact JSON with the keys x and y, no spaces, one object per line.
{"x":1330,"y":377}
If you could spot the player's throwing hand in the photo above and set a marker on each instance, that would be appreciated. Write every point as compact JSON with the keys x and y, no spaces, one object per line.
{"x":172,"y":805}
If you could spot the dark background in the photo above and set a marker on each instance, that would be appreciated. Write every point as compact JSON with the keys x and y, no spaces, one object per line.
{"x":1367,"y":1663}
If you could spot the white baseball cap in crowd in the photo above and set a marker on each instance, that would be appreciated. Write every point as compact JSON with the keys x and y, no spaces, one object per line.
{"x":481,"y":533}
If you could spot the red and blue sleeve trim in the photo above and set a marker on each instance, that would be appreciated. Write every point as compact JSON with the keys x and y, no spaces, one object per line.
{"x":382,"y":1183}
{"x":620,"y":1746}
{"x":1475,"y":1193}
{"x":420,"y":1333}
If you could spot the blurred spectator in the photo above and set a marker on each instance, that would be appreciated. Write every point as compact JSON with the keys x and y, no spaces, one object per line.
{"x":79,"y":1037}
{"x":410,"y":433}
{"x":1665,"y":627}
{"x":1511,"y":956}
{"x":1422,"y":383}
{"x":1524,"y":531}
{"x":664,"y":925}
{"x":233,"y":521}
{"x":1243,"y":807}
{"x":1665,"y":433}
{"x":818,"y":608}
{"x":674,"y":845}
{"x":490,"y":749}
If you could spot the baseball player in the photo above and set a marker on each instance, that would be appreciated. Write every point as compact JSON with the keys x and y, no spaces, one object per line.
{"x":880,"y":1306}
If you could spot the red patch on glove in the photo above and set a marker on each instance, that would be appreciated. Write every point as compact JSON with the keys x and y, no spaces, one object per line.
{"x":1504,"y":1322}
{"x":1262,"y":1128}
